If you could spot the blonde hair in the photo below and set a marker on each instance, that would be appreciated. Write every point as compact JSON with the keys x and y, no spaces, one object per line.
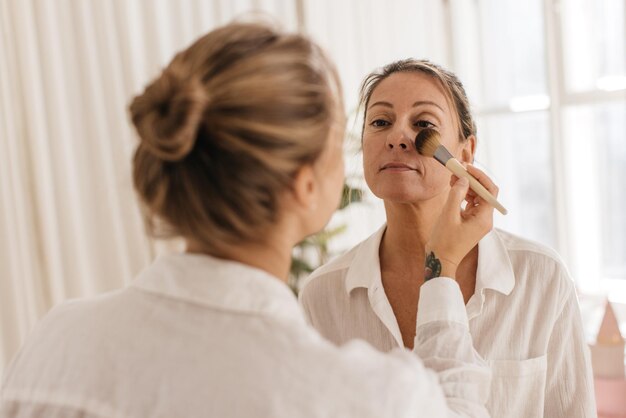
{"x":224,"y":129}
{"x":452,"y":86}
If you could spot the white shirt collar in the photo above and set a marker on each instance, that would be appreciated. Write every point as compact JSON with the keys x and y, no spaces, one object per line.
{"x":494,"y":264}
{"x":220,"y":284}
{"x":495,"y":270}
{"x":364,"y":270}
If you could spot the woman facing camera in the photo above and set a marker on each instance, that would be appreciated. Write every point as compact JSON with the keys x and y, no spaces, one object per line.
{"x":522,"y":306}
{"x":241,"y":155}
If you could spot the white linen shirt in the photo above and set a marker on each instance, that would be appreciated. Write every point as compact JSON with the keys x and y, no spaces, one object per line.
{"x":195,"y":336}
{"x":524,"y":320}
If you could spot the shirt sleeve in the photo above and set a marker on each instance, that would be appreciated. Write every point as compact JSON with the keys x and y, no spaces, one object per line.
{"x":444,"y":344}
{"x":442,"y":377}
{"x":569,"y":380}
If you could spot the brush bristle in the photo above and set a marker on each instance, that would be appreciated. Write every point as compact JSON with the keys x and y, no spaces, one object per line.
{"x":427,"y":142}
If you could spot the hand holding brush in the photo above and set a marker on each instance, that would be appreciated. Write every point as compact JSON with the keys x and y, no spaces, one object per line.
{"x":428,"y":144}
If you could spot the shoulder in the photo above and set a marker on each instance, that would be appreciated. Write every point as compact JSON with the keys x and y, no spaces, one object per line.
{"x":526,"y":247}
{"x":524,"y":250}
{"x":535,"y":264}
{"x":67,"y":325}
{"x":62,"y":342}
{"x":84,"y":314}
{"x":76,"y":327}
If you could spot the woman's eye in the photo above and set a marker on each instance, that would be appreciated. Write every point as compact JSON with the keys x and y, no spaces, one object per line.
{"x":379,"y":123}
{"x":424,"y":124}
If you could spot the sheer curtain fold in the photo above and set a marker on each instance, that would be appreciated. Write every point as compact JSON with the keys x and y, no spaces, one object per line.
{"x":19,"y":301}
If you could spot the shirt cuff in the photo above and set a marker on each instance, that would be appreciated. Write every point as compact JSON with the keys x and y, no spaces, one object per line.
{"x":441,"y":300}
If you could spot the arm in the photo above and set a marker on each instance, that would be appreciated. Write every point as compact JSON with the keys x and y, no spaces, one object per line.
{"x":569,"y":381}
{"x":444,"y":344}
{"x":442,"y":377}
{"x":442,"y":337}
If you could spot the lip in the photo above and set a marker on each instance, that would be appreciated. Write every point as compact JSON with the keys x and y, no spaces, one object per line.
{"x":397,"y":166}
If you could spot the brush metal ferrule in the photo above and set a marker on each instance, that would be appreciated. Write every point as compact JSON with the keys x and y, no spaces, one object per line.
{"x":442,"y":154}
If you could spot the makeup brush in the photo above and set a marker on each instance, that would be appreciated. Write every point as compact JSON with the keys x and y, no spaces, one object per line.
{"x":427,"y":144}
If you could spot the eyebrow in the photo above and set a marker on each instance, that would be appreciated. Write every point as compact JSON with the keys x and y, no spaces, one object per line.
{"x":418,"y":103}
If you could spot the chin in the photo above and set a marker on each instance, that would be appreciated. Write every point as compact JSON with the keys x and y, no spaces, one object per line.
{"x":405,"y":190}
{"x":406,"y":193}
{"x":403,"y":196}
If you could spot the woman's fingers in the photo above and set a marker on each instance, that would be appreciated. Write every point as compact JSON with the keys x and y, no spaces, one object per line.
{"x":483,"y":179}
{"x":458,"y":193}
{"x":470,"y":196}
{"x":476,"y":205}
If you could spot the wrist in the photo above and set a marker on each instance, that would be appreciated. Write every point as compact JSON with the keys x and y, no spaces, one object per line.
{"x":448,"y":269}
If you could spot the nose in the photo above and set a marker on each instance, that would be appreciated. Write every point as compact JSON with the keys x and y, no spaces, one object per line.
{"x":401,"y":141}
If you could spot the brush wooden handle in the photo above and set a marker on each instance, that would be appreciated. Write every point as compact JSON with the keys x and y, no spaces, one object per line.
{"x":455,"y":166}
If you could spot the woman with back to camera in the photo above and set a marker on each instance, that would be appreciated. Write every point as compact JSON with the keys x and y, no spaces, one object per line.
{"x":241,"y":154}
{"x":521,"y":303}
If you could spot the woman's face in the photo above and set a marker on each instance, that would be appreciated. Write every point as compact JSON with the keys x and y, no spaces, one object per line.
{"x":400,"y":106}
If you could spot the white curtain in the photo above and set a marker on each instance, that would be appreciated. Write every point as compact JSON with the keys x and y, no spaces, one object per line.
{"x":69,"y":223}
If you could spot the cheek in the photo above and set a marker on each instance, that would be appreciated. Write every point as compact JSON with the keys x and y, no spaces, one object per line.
{"x":437,"y":176}
{"x":370,"y":169}
{"x":370,"y":162}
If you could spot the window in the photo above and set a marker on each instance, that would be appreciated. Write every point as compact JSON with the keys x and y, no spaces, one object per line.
{"x":547,"y":79}
{"x":594,"y":53}
{"x":519,"y":153}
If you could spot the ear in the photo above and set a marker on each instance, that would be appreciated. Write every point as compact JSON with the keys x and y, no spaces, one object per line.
{"x":468,"y":150}
{"x":305,"y":188}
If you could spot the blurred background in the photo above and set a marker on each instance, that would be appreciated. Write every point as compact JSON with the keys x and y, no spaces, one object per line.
{"x":546,"y":78}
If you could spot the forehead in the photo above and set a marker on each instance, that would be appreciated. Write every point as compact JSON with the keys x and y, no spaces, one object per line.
{"x":405,"y":88}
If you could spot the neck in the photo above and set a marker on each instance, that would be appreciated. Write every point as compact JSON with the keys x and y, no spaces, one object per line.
{"x":408,"y":229}
{"x":272,"y":256}
{"x":403,"y":247}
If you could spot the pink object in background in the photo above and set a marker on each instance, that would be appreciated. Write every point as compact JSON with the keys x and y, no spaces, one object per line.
{"x":607,"y":358}
{"x":611,"y":397}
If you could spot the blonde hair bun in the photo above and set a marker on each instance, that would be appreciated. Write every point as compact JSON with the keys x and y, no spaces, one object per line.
{"x":167,"y":115}
{"x":225,"y":129}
